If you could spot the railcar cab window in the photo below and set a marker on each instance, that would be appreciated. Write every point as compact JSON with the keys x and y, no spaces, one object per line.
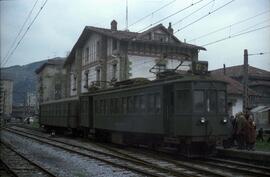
{"x":221,"y":102}
{"x":198,"y":101}
{"x":211,"y":101}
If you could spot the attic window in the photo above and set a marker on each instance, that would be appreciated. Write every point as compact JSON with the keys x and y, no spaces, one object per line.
{"x":114,"y":44}
{"x":160,"y":37}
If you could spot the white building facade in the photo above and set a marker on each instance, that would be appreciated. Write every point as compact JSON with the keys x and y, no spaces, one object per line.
{"x":102,"y":56}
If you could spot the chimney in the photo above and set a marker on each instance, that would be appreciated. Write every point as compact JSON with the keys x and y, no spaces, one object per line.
{"x":224,"y":69}
{"x":114,"y":25}
{"x":170,"y":28}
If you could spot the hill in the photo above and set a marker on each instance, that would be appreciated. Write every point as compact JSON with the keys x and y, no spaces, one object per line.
{"x":24,"y":79}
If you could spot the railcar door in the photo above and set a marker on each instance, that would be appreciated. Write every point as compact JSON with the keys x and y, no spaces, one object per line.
{"x":86,"y":110}
{"x":168,"y":100}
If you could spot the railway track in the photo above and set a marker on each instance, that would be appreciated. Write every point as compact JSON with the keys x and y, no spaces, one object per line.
{"x":167,"y":166}
{"x":17,"y":165}
{"x":122,"y":160}
{"x":216,"y":165}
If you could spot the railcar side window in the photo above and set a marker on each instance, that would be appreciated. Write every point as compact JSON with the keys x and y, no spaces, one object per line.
{"x":151,"y":102}
{"x":142,"y":103}
{"x":136,"y":104}
{"x":198,"y":101}
{"x":157,"y":103}
{"x":114,"y":105}
{"x":129,"y":104}
{"x":124,"y":105}
{"x":96,"y":106}
{"x":107,"y":103}
{"x":221,"y":101}
{"x":183,"y":101}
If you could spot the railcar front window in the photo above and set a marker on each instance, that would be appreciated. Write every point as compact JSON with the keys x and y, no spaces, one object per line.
{"x":211,"y":101}
{"x":198,"y":101}
{"x":221,"y":101}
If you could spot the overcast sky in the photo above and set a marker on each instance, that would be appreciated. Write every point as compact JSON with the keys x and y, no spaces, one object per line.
{"x":60,"y":23}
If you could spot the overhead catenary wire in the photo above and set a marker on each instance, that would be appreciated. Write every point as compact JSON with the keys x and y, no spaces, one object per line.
{"x":193,"y":12}
{"x":170,"y":15}
{"x":28,"y":28}
{"x":229,"y":26}
{"x":209,"y":13}
{"x":235,"y":35}
{"x":152,"y":13}
{"x":20,"y":31}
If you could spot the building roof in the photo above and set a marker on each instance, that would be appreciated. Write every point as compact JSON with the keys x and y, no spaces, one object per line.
{"x":58,"y":61}
{"x":237,"y":71}
{"x":126,"y":36}
{"x":259,"y":83}
{"x":234,"y":87}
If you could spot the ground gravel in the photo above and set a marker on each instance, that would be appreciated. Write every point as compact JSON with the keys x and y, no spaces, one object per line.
{"x":61,"y":162}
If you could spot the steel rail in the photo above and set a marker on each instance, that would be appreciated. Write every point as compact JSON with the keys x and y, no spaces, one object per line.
{"x":34,"y":164}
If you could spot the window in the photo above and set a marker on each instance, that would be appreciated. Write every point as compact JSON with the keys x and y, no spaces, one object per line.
{"x":211,"y":101}
{"x":221,"y":102}
{"x":198,"y":101}
{"x":151,"y":103}
{"x":183,"y":101}
{"x":86,"y":74}
{"x":124,"y":105}
{"x":114,"y":105}
{"x":74,"y":83}
{"x":98,"y":76}
{"x":114,"y":44}
{"x":98,"y":49}
{"x":157,"y":103}
{"x":130,"y":104}
{"x":97,"y":106}
{"x":102,"y":106}
{"x":142,"y":101}
{"x":114,"y":70}
{"x":136,"y":104}
{"x":86,"y":55}
{"x":107,"y":106}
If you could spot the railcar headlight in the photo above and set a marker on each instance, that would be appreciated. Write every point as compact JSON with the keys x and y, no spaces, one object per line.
{"x":224,"y":120}
{"x":203,"y":120}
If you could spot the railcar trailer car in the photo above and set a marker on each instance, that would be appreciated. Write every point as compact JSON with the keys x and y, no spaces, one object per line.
{"x":60,"y":114}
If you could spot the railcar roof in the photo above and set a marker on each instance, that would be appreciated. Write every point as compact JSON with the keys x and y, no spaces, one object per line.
{"x":61,"y":100}
{"x":168,"y":80}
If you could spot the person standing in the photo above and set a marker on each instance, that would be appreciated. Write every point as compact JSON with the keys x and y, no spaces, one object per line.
{"x":240,"y":130}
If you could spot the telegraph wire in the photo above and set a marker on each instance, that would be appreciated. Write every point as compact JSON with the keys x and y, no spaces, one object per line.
{"x":261,"y":53}
{"x":170,"y":15}
{"x":193,"y":13}
{"x":151,"y":13}
{"x":235,"y":35}
{"x":25,"y":32}
{"x":21,"y":29}
{"x":229,"y":26}
{"x":255,"y":25}
{"x":209,"y":13}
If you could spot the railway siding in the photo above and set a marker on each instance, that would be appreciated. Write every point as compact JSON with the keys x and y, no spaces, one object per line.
{"x":19,"y":165}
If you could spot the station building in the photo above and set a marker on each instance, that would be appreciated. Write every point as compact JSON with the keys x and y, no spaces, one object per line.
{"x":102,"y":56}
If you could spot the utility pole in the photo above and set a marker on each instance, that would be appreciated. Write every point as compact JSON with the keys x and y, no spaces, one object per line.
{"x":245,"y":81}
{"x":126,"y":15}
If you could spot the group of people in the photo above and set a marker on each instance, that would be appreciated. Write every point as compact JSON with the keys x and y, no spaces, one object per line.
{"x":244,"y":131}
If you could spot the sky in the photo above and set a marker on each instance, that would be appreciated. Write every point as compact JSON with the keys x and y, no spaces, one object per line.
{"x":60,"y":23}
